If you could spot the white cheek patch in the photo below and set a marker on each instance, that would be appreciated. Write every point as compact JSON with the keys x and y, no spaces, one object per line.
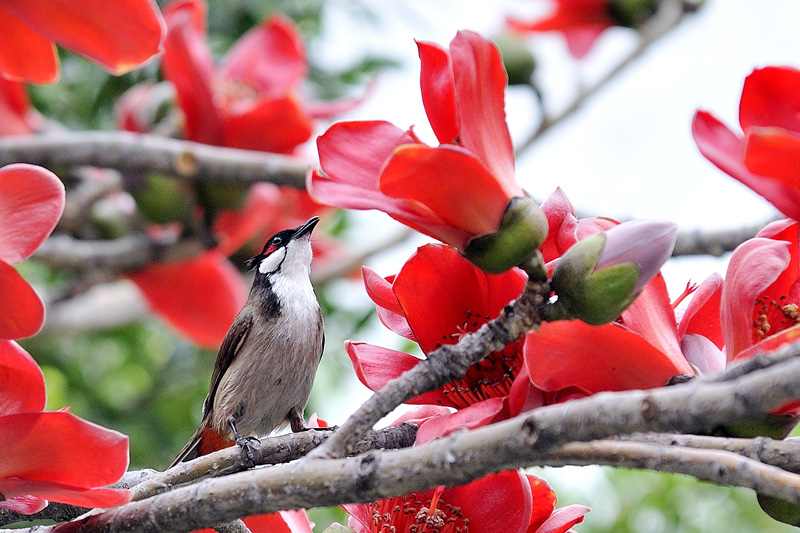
{"x":271,"y":263}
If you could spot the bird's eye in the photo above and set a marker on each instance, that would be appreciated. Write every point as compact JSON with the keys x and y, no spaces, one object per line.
{"x":277,"y":241}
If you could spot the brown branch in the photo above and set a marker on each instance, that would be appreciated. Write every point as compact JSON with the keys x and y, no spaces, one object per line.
{"x":523,"y":441}
{"x":716,"y":243}
{"x":132,"y":152}
{"x":443,"y":365}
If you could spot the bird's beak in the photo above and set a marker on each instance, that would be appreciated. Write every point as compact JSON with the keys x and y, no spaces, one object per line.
{"x":305,"y":228}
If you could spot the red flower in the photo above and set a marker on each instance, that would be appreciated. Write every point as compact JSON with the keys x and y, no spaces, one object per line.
{"x":280,"y":522}
{"x":251,"y":100}
{"x":54,"y":455}
{"x":453,"y":192}
{"x":506,"y":502}
{"x":762,"y":292}
{"x":467,"y":298}
{"x":581,"y":22}
{"x":31,"y":203}
{"x":767,"y":157}
{"x":17,"y":117}
{"x":118,"y":35}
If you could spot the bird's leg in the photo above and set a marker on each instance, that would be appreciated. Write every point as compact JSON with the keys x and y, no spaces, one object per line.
{"x":246,"y":443}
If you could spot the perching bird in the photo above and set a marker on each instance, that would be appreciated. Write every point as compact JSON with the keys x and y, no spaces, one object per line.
{"x":266,"y":365}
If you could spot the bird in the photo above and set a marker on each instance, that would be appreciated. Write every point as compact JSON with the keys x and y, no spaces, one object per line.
{"x":267,"y":362}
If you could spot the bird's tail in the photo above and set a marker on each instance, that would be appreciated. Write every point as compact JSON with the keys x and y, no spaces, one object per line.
{"x":204,"y":441}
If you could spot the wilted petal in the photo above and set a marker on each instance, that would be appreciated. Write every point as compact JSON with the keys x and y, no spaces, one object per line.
{"x":203,"y":316}
{"x":31,"y":203}
{"x":118,"y":35}
{"x":21,"y":381}
{"x":22,"y":312}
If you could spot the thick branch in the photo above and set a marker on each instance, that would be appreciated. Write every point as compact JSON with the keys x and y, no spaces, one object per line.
{"x":523,"y":441}
{"x":132,"y":152}
{"x":441,"y":366}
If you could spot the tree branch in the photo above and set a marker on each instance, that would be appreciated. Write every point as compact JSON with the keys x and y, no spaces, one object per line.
{"x":133,"y":152}
{"x":525,"y":440}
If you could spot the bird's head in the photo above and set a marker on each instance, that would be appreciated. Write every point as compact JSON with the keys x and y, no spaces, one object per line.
{"x":287,"y":252}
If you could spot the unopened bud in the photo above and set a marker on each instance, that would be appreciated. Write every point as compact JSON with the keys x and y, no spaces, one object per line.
{"x":601,"y":275}
{"x":521,"y":232}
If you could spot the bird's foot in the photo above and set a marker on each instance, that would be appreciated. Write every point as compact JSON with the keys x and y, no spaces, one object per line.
{"x":248,"y":444}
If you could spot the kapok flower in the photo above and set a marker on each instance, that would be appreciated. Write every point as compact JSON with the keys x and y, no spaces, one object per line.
{"x":31,"y":203}
{"x":510,"y":501}
{"x":767,"y":157}
{"x":600,"y":275}
{"x":467,"y":298}
{"x":51,"y":455}
{"x":583,"y":21}
{"x":251,"y":100}
{"x":460,"y":192}
{"x":17,"y":117}
{"x":118,"y":35}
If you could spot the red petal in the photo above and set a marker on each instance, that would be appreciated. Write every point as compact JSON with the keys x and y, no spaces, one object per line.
{"x":727,"y":151}
{"x":21,"y":381}
{"x":25,"y":55}
{"x":771,"y":98}
{"x":596,"y":358}
{"x":480,"y":82}
{"x":16,"y":115}
{"x":188,"y":64}
{"x":438,"y":91}
{"x":203,"y":316}
{"x":421,"y":414}
{"x":269,"y":58}
{"x":22,"y":312}
{"x":58,"y":456}
{"x":466,"y":295}
{"x":702,"y":315}
{"x":24,"y":504}
{"x":498,"y":502}
{"x":744,"y":284}
{"x":31,"y":203}
{"x":651,"y":316}
{"x":275,"y":125}
{"x":560,"y":214}
{"x":389,"y":311}
{"x":452,"y":183}
{"x":775,"y":154}
{"x":234,"y":228}
{"x":119,"y":35}
{"x":475,"y":416}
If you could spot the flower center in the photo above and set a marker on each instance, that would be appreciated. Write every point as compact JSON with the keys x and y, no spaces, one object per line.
{"x":489,"y":378}
{"x":226,"y":92}
{"x":773,"y":316}
{"x":408,"y":514}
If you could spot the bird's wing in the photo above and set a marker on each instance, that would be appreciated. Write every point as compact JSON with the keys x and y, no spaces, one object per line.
{"x":231,"y":345}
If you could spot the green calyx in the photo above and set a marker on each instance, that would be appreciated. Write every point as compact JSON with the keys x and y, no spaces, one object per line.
{"x":521,"y":232}
{"x":595,"y":297}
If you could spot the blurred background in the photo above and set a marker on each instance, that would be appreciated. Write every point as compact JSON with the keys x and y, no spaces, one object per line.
{"x":625,"y":152}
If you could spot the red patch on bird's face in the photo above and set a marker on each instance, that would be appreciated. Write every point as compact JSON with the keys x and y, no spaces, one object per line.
{"x":271,"y":248}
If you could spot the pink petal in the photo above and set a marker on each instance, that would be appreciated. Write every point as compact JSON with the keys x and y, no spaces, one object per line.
{"x":21,"y":381}
{"x":31,"y":203}
{"x":119,"y":36}
{"x":480,"y":82}
{"x":23,"y":313}
{"x":438,"y":91}
{"x":476,"y":415}
{"x":24,"y":504}
{"x":770,"y":98}
{"x":564,"y":518}
{"x":203,"y":316}
{"x":269,"y":58}
{"x":702,"y":315}
{"x":744,"y":284}
{"x":700,"y":352}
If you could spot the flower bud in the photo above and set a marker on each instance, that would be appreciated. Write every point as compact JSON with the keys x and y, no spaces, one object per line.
{"x":632,"y":13}
{"x":599,"y":276}
{"x":521,"y":232}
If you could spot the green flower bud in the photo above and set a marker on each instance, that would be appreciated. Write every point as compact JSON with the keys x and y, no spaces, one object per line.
{"x":164,"y":199}
{"x":521,"y":232}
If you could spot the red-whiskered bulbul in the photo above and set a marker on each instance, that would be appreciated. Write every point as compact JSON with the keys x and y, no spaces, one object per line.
{"x":266,"y":365}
